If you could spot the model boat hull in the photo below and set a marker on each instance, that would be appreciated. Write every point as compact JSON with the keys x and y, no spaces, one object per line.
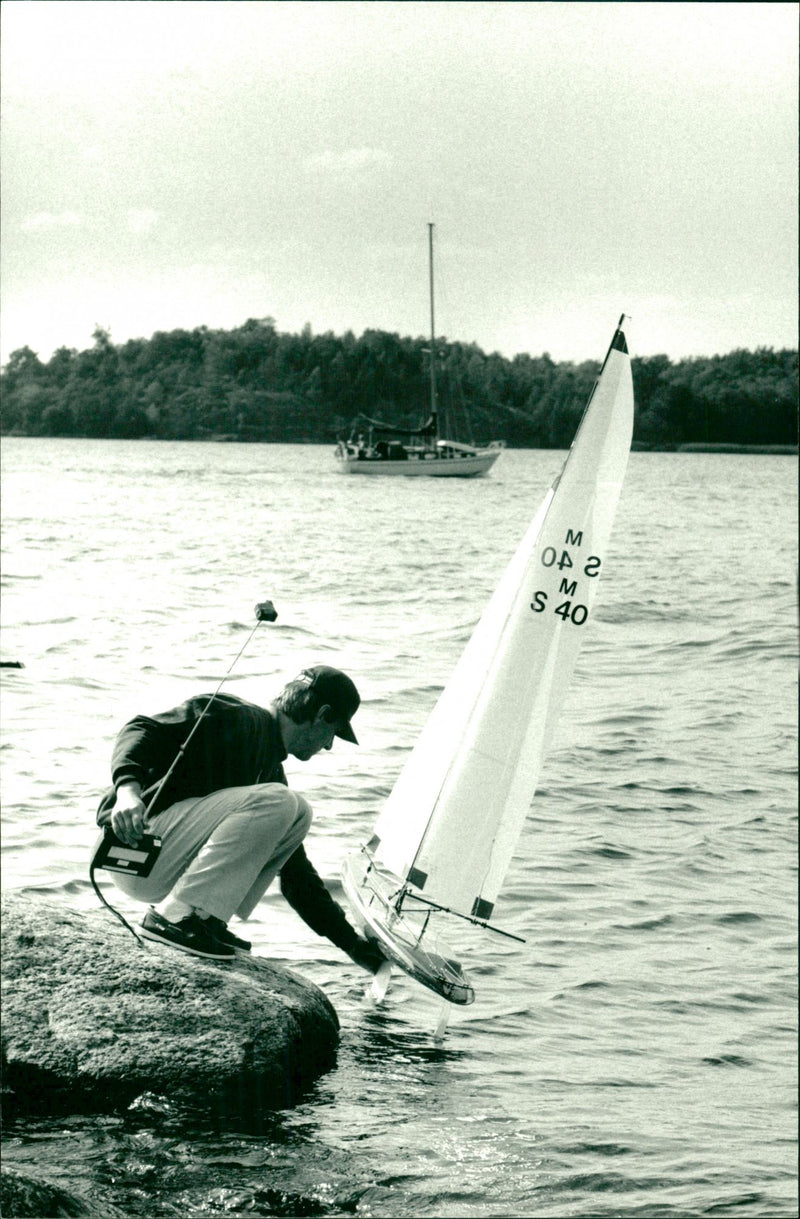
{"x":372,"y":894}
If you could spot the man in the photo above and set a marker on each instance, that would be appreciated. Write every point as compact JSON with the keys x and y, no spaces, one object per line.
{"x":228,"y":822}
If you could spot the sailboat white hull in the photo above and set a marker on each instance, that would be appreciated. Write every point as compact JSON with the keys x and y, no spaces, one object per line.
{"x":429,"y":465}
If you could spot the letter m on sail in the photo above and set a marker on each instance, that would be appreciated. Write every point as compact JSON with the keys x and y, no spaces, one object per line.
{"x":574,"y":539}
{"x":569,"y":590}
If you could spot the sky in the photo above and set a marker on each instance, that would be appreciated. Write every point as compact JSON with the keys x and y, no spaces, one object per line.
{"x":170,"y":164}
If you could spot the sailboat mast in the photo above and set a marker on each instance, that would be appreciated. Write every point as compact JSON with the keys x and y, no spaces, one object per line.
{"x":434,"y":410}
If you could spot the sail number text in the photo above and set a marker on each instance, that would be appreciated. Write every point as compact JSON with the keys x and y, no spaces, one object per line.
{"x":562,"y":559}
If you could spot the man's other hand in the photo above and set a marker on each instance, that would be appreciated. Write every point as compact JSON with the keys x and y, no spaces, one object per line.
{"x":367,"y":954}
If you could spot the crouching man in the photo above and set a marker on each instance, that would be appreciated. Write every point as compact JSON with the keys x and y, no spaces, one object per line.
{"x":228,"y":822}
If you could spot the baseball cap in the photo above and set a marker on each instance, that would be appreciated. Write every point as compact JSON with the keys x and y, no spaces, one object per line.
{"x":335,"y":688}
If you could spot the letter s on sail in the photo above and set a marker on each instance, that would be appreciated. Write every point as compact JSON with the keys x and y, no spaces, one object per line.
{"x":539,"y":602}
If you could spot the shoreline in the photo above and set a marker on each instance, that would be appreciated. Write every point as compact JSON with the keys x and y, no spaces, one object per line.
{"x":783,"y":450}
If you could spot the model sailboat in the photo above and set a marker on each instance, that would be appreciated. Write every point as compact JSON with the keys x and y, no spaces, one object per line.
{"x":375,"y":447}
{"x":447,"y":833}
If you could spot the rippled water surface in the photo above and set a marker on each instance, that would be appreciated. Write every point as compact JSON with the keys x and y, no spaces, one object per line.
{"x":636,"y":1056}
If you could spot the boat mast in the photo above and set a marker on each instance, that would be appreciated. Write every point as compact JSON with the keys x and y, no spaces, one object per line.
{"x":434,"y":411}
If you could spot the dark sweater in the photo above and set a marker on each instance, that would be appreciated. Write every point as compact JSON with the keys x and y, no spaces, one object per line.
{"x":237,"y":744}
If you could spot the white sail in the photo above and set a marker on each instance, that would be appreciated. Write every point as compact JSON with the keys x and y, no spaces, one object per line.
{"x":451,"y":824}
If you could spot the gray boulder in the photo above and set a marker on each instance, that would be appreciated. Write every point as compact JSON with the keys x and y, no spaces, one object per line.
{"x":91,"y":1020}
{"x":25,"y":1197}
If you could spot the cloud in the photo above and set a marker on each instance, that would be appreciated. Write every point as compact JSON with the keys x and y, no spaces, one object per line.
{"x":44,"y":221}
{"x":142,"y":220}
{"x":350,"y":160}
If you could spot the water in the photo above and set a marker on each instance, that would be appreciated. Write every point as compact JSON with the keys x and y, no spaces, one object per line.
{"x":636,"y":1056}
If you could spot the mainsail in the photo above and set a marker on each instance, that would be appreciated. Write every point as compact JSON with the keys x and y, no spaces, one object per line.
{"x":452,"y":821}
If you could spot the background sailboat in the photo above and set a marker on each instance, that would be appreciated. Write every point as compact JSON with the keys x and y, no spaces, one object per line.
{"x":446,"y":835}
{"x":376,"y":447}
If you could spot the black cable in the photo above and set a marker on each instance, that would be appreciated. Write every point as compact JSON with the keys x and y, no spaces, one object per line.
{"x":108,"y":905}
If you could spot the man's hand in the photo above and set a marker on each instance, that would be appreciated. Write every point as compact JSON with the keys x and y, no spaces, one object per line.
{"x":127,"y":815}
{"x":367,"y":954}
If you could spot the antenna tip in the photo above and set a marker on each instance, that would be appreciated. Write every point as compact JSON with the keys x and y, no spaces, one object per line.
{"x":266,"y":612}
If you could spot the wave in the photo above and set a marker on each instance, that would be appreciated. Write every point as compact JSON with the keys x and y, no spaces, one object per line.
{"x":652,"y":924}
{"x":727,"y":1060}
{"x":633,"y":611}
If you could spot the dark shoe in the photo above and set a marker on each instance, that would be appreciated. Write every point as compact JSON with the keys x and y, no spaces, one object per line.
{"x":191,"y":934}
{"x":222,"y":933}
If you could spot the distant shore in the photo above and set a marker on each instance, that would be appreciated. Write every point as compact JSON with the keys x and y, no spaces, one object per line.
{"x":256,"y":384}
{"x":787,"y":449}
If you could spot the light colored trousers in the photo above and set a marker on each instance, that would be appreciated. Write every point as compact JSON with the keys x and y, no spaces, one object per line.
{"x":221,"y":852}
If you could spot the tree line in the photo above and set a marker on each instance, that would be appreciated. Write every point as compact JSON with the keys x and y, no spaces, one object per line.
{"x":254,"y":383}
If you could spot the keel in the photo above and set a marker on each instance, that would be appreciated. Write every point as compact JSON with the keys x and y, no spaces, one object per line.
{"x":444,"y":1017}
{"x":379,"y":985}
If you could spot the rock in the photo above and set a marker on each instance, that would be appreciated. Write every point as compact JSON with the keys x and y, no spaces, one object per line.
{"x":91,"y":1020}
{"x":21,"y":1197}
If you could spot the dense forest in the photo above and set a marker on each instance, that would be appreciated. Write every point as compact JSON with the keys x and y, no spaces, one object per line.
{"x":253,"y":383}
